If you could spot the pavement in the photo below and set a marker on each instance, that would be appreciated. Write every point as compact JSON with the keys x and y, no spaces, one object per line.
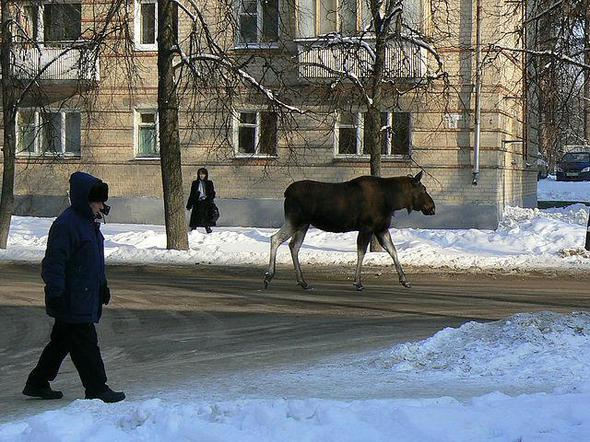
{"x":168,"y":327}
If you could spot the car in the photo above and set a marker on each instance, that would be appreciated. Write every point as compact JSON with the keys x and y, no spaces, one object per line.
{"x":573,"y":166}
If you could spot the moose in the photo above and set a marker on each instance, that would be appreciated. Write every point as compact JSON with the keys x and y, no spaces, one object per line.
{"x":364,"y":204}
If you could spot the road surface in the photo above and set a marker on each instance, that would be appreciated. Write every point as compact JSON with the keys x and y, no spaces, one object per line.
{"x":169,"y":325}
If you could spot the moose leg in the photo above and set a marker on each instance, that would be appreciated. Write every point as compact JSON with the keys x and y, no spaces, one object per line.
{"x":275,"y":241}
{"x":362,"y":242}
{"x":386,"y":242}
{"x":295,"y":245}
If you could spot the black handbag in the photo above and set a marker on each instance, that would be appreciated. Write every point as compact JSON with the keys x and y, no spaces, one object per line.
{"x":214,"y":213}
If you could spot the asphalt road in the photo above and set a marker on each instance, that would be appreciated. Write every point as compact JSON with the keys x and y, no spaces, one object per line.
{"x":167,"y":325}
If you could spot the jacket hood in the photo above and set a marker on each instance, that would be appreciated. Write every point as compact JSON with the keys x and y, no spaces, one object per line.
{"x":80,"y":185}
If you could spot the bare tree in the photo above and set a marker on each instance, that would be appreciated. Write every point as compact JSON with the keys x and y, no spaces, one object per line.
{"x":73,"y":51}
{"x":170,"y":160}
{"x":9,"y":106}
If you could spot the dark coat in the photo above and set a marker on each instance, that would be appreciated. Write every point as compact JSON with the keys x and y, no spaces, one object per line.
{"x":73,"y":267}
{"x":204,"y":212}
{"x":193,"y":198}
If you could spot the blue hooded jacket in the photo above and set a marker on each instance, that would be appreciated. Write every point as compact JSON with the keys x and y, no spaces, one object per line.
{"x":73,"y":267}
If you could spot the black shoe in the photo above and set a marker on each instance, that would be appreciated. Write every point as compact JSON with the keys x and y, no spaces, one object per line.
{"x":42,"y":392}
{"x":208,"y":229}
{"x":109,"y":396}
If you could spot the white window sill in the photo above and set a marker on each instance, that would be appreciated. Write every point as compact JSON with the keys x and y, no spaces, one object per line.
{"x":254,"y":155}
{"x":65,"y":156}
{"x":366,"y":157}
{"x":250,"y":46}
{"x":147,"y":158}
{"x":145,"y":48}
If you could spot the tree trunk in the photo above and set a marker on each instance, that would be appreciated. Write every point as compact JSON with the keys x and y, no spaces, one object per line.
{"x":373,"y":119}
{"x":548,"y":87}
{"x":9,"y":115}
{"x":170,"y":158}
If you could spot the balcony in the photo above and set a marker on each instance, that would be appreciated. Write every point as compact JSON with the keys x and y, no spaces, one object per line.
{"x":320,"y":60}
{"x":56,"y":70}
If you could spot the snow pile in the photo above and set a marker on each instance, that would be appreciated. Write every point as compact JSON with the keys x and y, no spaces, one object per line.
{"x":527,"y":239}
{"x":551,"y":190}
{"x":528,"y":347}
{"x":525,"y":347}
{"x":493,"y":417}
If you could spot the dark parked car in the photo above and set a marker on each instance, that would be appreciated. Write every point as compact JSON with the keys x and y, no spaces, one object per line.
{"x":574,"y":166}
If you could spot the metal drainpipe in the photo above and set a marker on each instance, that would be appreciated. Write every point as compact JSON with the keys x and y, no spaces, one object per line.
{"x":477,"y":94}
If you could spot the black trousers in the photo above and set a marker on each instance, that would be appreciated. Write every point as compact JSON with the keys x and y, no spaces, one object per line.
{"x":81,"y":342}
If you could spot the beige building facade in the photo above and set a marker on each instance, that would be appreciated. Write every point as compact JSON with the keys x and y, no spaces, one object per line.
{"x":108,"y":125}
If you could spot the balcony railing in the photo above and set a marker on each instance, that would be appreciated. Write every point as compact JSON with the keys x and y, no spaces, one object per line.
{"x":55,"y":64}
{"x":319,"y":59}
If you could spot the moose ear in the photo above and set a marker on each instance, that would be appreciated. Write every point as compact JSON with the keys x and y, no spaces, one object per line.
{"x":418,"y":176}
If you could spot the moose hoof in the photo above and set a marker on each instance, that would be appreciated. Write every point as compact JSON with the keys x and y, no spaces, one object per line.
{"x":359,"y":286}
{"x":305,"y":286}
{"x":406,"y":284}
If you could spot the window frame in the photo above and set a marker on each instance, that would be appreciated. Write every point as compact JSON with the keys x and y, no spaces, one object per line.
{"x":362,"y":18}
{"x":39,"y":25}
{"x":257,"y":132}
{"x":360,"y":138}
{"x":258,"y":44}
{"x":137,"y":124}
{"x":139,"y":46}
{"x":39,"y":135}
{"x":41,"y":21}
{"x":359,"y":135}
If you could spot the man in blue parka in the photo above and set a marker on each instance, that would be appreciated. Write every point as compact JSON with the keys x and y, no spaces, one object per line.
{"x":75,"y":290}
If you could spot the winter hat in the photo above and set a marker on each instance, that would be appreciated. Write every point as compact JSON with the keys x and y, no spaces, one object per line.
{"x":99,"y":192}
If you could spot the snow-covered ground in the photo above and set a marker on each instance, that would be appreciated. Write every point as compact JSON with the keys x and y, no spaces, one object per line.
{"x":551,"y":190}
{"x":527,"y":239}
{"x":532,"y":371}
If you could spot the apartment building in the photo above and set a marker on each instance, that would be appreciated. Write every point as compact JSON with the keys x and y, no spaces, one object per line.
{"x":94,"y":107}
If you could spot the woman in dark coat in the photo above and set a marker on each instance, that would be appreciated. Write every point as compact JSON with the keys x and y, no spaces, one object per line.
{"x":201,"y":202}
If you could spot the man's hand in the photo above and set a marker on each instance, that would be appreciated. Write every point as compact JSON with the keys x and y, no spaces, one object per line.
{"x":106,"y":295}
{"x":55,"y":302}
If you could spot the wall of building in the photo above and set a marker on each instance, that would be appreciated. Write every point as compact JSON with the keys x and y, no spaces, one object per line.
{"x":250,"y":190}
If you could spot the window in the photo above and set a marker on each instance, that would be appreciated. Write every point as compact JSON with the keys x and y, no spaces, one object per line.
{"x":147,"y":139}
{"x":348,"y":134}
{"x":62,"y":22}
{"x":27,"y":19}
{"x":146,"y":24}
{"x":351,"y":136}
{"x":320,"y":17}
{"x":255,"y":133}
{"x":48,"y":132}
{"x":399,"y":139}
{"x":258,"y":21}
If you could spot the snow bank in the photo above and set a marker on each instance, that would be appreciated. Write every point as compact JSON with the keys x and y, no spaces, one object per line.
{"x":493,"y":417}
{"x":551,"y":190}
{"x":527,"y":239}
{"x":541,"y":348}
{"x":523,"y":347}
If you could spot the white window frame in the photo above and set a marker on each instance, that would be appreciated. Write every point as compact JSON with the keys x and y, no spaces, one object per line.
{"x":136,"y":126}
{"x":257,"y":129}
{"x":259,"y":28}
{"x":137,"y":26}
{"x":38,"y":143}
{"x":390,"y":154}
{"x":41,"y":21}
{"x":313,"y":15}
{"x":360,"y":137}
